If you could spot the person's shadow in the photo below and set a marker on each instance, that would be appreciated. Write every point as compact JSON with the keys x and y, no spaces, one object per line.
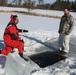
{"x":52,"y":45}
{"x":2,"y":61}
{"x":2,"y":57}
{"x":46,"y":44}
{"x":2,"y":45}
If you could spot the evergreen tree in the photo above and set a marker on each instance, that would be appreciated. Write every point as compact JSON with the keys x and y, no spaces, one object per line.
{"x":74,"y":5}
{"x":61,"y":4}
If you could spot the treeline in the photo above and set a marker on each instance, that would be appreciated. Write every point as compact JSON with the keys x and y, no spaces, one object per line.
{"x":32,"y":4}
{"x":61,"y":4}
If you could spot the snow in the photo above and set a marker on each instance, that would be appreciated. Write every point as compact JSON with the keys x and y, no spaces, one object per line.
{"x":51,"y":12}
{"x":38,"y":11}
{"x":42,"y":33}
{"x":13,"y":9}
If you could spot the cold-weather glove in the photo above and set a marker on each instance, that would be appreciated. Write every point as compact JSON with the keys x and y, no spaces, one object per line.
{"x":25,"y":30}
{"x":22,"y":40}
{"x":21,"y":55}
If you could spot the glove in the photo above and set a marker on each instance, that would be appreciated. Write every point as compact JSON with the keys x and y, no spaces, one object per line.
{"x":25,"y":30}
{"x":22,"y":41}
{"x":21,"y":55}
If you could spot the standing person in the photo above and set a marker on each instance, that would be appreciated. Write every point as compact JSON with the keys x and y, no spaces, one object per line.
{"x":11,"y":37}
{"x":66,"y":27}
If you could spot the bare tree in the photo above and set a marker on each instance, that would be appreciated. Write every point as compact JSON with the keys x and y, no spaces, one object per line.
{"x":41,"y":2}
{"x":19,"y":2}
{"x":3,"y":2}
{"x":16,"y":2}
{"x":29,"y":4}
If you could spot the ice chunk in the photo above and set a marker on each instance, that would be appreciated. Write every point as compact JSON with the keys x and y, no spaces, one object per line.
{"x":15,"y":65}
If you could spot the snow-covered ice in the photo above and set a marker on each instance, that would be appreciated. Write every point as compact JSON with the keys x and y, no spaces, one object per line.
{"x":42,"y":33}
{"x":37,"y":11}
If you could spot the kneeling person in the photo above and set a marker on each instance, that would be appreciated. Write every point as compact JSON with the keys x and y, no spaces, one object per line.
{"x":11,"y":37}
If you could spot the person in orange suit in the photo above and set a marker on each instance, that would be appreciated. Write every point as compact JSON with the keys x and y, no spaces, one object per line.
{"x":11,"y":37}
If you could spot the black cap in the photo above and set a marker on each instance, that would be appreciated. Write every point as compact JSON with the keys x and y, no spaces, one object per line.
{"x":14,"y":17}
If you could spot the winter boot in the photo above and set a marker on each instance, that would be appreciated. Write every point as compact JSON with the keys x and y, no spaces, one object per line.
{"x":21,"y":55}
{"x":0,"y":51}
